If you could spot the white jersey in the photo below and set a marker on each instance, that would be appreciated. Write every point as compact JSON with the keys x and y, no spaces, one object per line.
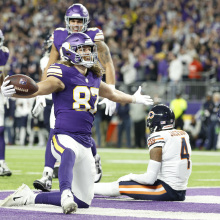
{"x":176,"y":163}
{"x":43,"y":63}
{"x":2,"y":110}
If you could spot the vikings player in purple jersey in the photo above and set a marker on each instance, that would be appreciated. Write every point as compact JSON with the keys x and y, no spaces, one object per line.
{"x":4,"y":54}
{"x":77,"y":20}
{"x":75,"y":85}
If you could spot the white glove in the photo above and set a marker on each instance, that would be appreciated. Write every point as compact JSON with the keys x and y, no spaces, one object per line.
{"x":7,"y":91}
{"x":142,"y":99}
{"x":125,"y":178}
{"x":39,"y":106}
{"x":110,"y":106}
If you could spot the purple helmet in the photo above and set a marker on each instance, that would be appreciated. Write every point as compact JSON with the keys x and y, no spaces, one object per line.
{"x":1,"y":38}
{"x":74,"y":42}
{"x":77,"y":11}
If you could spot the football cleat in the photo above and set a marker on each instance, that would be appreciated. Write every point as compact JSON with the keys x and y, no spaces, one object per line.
{"x":98,"y":167}
{"x":44,"y":184}
{"x":4,"y":170}
{"x":67,"y":202}
{"x":23,"y":196}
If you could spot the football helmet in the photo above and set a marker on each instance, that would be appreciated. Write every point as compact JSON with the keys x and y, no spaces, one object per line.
{"x":160,"y":117}
{"x":48,"y":43}
{"x":75,"y":42}
{"x":77,"y":11}
{"x":1,"y":38}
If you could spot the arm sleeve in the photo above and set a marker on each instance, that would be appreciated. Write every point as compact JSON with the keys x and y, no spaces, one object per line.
{"x":150,"y":176}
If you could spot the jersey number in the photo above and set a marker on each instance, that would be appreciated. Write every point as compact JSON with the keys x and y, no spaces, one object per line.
{"x":82,"y":96}
{"x":184,"y":152}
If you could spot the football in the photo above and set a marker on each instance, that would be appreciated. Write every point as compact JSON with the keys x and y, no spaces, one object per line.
{"x":23,"y":84}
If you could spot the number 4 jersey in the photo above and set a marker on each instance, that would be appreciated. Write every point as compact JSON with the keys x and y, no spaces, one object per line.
{"x":176,"y":163}
{"x":75,"y":106}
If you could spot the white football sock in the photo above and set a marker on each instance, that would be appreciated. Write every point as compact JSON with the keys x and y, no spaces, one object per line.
{"x":107,"y":189}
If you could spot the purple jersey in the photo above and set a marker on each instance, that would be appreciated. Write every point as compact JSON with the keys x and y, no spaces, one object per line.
{"x":75,"y":106}
{"x":60,"y":34}
{"x":4,"y":54}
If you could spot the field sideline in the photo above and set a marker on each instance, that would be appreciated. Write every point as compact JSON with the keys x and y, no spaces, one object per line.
{"x":202,"y":202}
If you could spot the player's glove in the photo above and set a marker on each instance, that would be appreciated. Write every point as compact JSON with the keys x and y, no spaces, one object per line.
{"x":110,"y":106}
{"x":39,"y":106}
{"x":142,"y":99}
{"x":7,"y":91}
{"x":125,"y":178}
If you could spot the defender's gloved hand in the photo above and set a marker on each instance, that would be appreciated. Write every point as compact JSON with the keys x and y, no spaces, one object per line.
{"x":39,"y":106}
{"x":125,"y":178}
{"x":110,"y":106}
{"x":142,"y":99}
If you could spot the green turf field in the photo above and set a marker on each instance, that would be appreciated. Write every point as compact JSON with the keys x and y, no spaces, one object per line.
{"x":27,"y":165}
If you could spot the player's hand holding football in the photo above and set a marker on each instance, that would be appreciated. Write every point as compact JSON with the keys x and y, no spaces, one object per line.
{"x":39,"y":106}
{"x":7,"y":90}
{"x":110,"y":106}
{"x":142,"y":99}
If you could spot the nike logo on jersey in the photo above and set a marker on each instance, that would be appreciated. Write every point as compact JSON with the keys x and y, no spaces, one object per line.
{"x":17,"y":198}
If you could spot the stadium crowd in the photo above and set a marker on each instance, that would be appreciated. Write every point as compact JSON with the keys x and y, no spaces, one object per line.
{"x":148,"y":39}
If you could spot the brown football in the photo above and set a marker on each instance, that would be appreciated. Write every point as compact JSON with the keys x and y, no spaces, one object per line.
{"x":23,"y":84}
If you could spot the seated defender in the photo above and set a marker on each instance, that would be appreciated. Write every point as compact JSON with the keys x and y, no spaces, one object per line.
{"x":169,"y":167}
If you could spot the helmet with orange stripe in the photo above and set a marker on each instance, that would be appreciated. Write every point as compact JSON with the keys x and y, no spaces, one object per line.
{"x":160,"y":117}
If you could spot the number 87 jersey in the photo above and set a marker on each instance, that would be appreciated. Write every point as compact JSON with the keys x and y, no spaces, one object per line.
{"x":75,"y":106}
{"x":176,"y":163}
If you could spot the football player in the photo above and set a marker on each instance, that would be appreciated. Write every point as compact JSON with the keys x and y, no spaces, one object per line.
{"x":77,"y":20}
{"x":169,"y":167}
{"x":75,"y":85}
{"x":4,"y":54}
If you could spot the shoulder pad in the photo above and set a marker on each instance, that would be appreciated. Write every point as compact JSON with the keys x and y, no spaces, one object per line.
{"x":60,"y":29}
{"x":155,"y":139}
{"x":54,"y":70}
{"x":99,"y":36}
{"x":4,"y":49}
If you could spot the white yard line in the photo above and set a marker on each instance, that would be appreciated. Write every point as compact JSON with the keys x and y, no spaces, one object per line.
{"x":125,"y":212}
{"x":146,"y":161}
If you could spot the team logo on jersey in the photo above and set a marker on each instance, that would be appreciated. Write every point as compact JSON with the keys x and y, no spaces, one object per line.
{"x":151,"y":114}
{"x":23,"y":81}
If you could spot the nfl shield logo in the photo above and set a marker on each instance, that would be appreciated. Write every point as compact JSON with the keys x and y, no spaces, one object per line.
{"x":23,"y":81}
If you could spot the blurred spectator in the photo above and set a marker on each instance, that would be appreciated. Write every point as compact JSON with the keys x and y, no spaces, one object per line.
{"x":213,"y":125}
{"x":138,"y":115}
{"x":22,"y":110}
{"x":163,"y":66}
{"x":204,"y":115}
{"x":127,"y":69}
{"x":185,"y":59}
{"x":175,"y":73}
{"x":179,"y":106}
{"x":124,"y":124}
{"x":195,"y":68}
{"x":193,"y":129}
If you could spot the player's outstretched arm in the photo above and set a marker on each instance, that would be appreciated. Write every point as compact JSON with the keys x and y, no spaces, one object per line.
{"x":54,"y":56}
{"x":121,"y":97}
{"x":48,"y":86}
{"x":153,"y":169}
